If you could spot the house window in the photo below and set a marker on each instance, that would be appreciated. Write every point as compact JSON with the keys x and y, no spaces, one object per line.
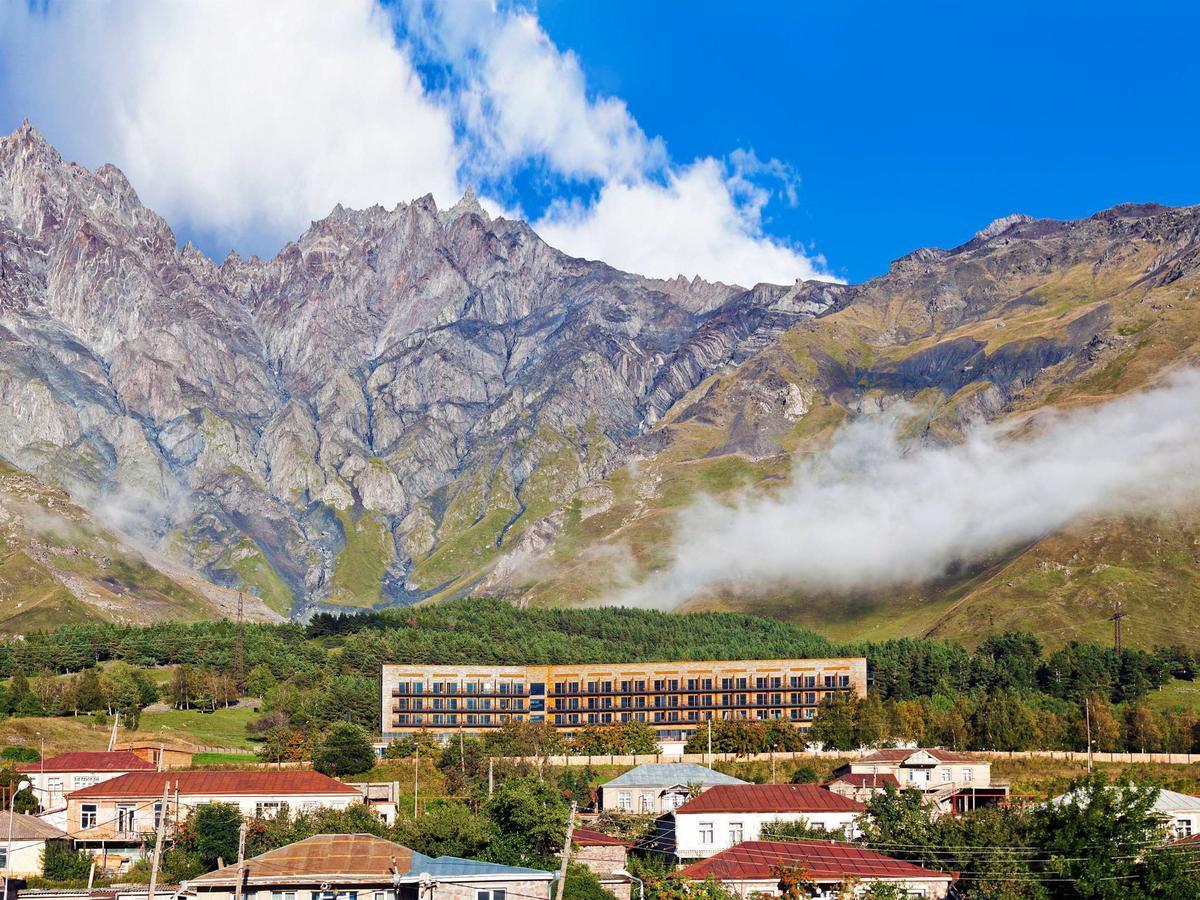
{"x":54,"y":786}
{"x":968,"y":775}
{"x":706,"y":832}
{"x":125,"y":817}
{"x":494,"y":894}
{"x":329,"y":895}
{"x":268,"y":809}
{"x":945,"y":775}
{"x":735,"y":833}
{"x":625,"y":800}
{"x":82,"y":781}
{"x":4,"y":858}
{"x":87,"y":815}
{"x":1183,"y":828}
{"x":283,"y":895}
{"x":647,"y":801}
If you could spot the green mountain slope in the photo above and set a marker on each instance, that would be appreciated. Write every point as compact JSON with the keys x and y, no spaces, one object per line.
{"x":1035,"y":316}
{"x":57,"y":564}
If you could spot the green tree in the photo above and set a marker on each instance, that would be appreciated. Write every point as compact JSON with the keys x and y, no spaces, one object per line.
{"x":1096,"y":813}
{"x":87,"y":691}
{"x":346,"y":750}
{"x":835,"y":728}
{"x":582,"y":884}
{"x":211,"y":831}
{"x":62,"y":862}
{"x":449,"y":829}
{"x":530,"y":814}
{"x":19,"y":754}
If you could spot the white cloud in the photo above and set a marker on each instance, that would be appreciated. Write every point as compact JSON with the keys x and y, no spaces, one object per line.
{"x":242,"y":120}
{"x":871,"y":513}
{"x":695,"y":223}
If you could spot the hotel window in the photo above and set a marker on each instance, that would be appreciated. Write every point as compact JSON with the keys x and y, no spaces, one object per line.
{"x":625,"y":800}
{"x":494,"y":894}
{"x":735,"y":833}
{"x":809,"y":712}
{"x":706,"y":832}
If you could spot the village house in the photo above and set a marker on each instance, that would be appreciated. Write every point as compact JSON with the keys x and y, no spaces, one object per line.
{"x":656,"y":788}
{"x":160,"y":754}
{"x":125,"y":809}
{"x":605,"y":856}
{"x":1179,"y":813}
{"x":952,"y":781}
{"x":53,"y":778}
{"x":23,"y":840}
{"x":366,"y":867}
{"x":860,"y":786}
{"x":726,"y":815}
{"x":754,"y":867}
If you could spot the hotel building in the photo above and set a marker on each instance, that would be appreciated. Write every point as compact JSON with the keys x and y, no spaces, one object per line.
{"x":675,"y":698}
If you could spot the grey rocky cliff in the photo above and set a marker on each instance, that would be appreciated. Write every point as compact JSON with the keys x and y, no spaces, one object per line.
{"x":377,"y":366}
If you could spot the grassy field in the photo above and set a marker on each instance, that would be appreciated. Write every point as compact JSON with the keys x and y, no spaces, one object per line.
{"x":223,"y":728}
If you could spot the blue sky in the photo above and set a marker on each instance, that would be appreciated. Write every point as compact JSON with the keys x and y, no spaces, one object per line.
{"x":743,"y":142}
{"x":912,"y":124}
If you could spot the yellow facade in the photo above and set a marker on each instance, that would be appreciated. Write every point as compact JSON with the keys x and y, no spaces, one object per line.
{"x":673,"y":697}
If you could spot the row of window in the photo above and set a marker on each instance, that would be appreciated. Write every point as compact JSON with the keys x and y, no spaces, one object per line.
{"x":674,"y":715}
{"x":454,"y":719}
{"x":643,"y":686}
{"x":659,"y":685}
{"x":492,"y":894}
{"x":451,"y":703}
{"x":126,"y":813}
{"x":503,"y":688}
{"x":705,"y":700}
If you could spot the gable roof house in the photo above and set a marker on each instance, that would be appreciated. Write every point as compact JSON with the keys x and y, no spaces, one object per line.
{"x":1179,"y":812}
{"x":366,"y":867}
{"x":22,"y":843}
{"x":952,"y":781}
{"x":123,"y":810}
{"x":604,"y":855}
{"x":655,"y":788}
{"x":55,"y":777}
{"x":752,"y":868}
{"x":726,"y":815}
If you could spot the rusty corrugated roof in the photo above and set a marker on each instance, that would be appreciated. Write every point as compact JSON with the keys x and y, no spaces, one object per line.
{"x":216,"y":783}
{"x":337,"y":855}
{"x":769,"y":798}
{"x":90,"y":761}
{"x":821,"y":860}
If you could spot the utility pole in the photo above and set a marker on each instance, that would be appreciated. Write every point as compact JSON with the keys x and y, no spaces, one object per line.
{"x":159,"y":835}
{"x":416,"y":777}
{"x":1087,"y":711}
{"x":239,"y":649}
{"x":462,"y":757}
{"x":491,"y":776}
{"x":708,"y":762}
{"x":112,"y":738}
{"x":566,"y":854}
{"x":241,"y":863}
{"x":772,"y":764}
{"x":1116,"y":618}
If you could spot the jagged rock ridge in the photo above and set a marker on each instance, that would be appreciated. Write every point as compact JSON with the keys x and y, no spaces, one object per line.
{"x":327,"y":425}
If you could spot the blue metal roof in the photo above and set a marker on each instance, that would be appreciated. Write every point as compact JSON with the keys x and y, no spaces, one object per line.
{"x":668,"y":774}
{"x":449,"y":867}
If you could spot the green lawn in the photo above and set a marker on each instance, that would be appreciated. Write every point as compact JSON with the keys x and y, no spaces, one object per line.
{"x":223,"y":728}
{"x":1176,"y":694}
{"x":223,"y":759}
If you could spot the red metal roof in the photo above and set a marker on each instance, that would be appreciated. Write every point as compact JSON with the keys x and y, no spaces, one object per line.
{"x":866,"y":779}
{"x":769,"y":798}
{"x":90,"y":761}
{"x":257,"y":781}
{"x":823,"y":861}
{"x":892,"y":755}
{"x":589,"y":837}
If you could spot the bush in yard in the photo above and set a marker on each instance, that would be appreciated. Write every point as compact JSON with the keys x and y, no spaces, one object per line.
{"x":346,"y":750}
{"x":60,"y":862}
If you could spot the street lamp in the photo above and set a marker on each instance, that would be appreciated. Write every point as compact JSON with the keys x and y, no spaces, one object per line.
{"x":623,"y":873}
{"x":21,"y":786}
